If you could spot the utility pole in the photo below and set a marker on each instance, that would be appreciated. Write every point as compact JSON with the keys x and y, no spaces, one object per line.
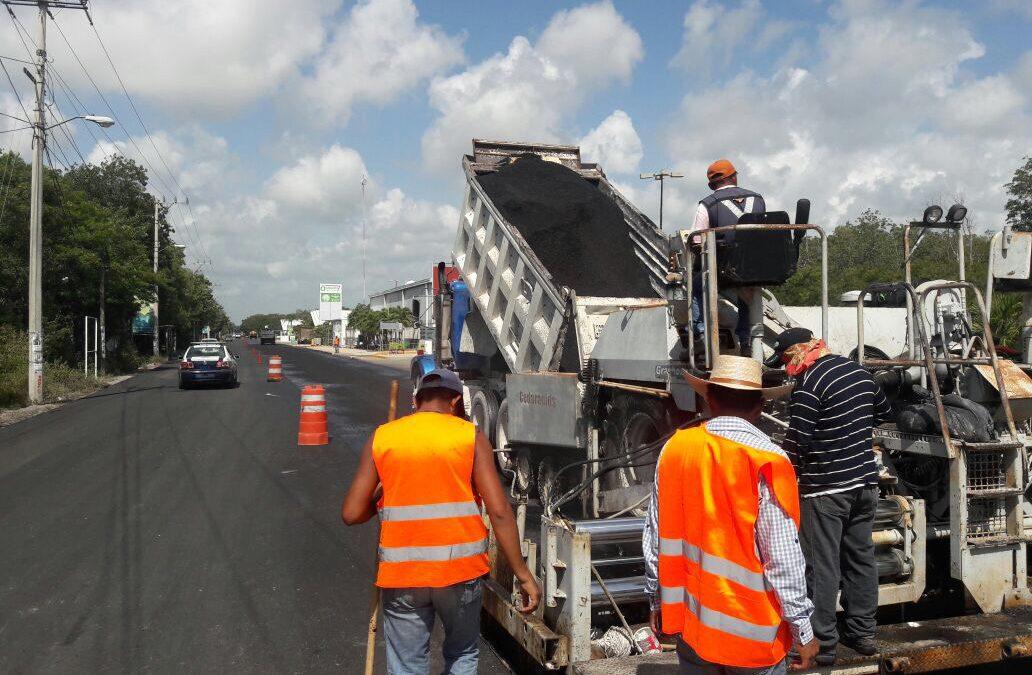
{"x":154,"y":310}
{"x":365,"y":292}
{"x":36,"y":221}
{"x":158,"y":203}
{"x":39,"y":142}
{"x":661,"y":177}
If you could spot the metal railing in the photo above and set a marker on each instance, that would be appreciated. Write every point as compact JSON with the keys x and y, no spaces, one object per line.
{"x":711,"y":296}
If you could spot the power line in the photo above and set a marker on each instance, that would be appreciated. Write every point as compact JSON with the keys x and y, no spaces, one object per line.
{"x":86,"y":72}
{"x":7,"y":177}
{"x":23,"y":35}
{"x":146,"y":131}
{"x":14,"y":89}
{"x":132,"y":106}
{"x":67,"y":135}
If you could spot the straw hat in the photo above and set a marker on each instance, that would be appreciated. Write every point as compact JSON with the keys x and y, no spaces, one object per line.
{"x":736,"y":372}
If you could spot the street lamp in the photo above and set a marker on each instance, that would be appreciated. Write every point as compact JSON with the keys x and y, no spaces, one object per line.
{"x":39,"y":141}
{"x":99,"y":120}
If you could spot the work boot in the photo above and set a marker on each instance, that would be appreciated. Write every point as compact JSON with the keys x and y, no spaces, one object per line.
{"x":865,"y":646}
{"x":826,"y":656}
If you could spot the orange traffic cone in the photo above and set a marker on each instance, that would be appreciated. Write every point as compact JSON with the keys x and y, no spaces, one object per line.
{"x":275,"y":368}
{"x":258,"y":356}
{"x":312,"y":429}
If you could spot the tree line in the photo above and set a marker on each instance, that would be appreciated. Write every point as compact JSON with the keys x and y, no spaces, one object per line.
{"x":98,"y":222}
{"x":869,"y":249}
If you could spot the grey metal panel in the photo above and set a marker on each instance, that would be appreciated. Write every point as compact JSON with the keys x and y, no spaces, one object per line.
{"x":636,"y":344}
{"x":544,"y":409}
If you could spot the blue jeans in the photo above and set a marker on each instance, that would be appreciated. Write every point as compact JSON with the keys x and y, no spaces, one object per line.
{"x":408,"y":619}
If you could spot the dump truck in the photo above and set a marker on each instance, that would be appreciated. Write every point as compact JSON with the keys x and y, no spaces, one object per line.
{"x":571,"y":327}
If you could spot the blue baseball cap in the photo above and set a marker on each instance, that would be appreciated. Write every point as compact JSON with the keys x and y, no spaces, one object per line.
{"x":440,"y":378}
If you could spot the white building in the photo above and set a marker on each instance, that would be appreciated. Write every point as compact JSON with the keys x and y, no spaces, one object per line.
{"x":417,"y":297}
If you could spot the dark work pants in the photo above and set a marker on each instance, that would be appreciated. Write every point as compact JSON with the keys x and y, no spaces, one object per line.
{"x":835,"y":534}
{"x":743,"y":326}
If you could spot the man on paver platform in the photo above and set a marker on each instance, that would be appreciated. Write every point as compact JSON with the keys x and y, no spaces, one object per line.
{"x":723,"y":566}
{"x":723,"y":207}
{"x":436,"y":469}
{"x":835,"y":406}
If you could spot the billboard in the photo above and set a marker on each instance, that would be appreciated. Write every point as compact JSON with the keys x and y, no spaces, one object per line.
{"x":330,"y":301}
{"x":143,"y":322}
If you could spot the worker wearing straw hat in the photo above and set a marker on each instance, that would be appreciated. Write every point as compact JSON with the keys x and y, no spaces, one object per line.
{"x":724,"y":569}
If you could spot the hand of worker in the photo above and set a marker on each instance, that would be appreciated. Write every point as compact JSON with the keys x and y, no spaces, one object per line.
{"x":530,"y":593}
{"x":656,"y":622}
{"x":807,"y":654}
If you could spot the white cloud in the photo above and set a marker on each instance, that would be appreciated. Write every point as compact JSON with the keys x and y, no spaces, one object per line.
{"x":528,"y":92}
{"x":192,"y":57}
{"x":323,"y":187}
{"x":715,"y":33}
{"x":614,"y":144}
{"x":594,"y":41}
{"x":378,"y":52}
{"x":271,"y":243}
{"x":884,"y":116}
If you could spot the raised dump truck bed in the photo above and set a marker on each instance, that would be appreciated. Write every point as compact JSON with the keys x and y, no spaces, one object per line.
{"x":587,"y":239}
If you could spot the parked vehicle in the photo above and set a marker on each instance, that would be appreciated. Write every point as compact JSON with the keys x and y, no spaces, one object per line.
{"x":207,"y":363}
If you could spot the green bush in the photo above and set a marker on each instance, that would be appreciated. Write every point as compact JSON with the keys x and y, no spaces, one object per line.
{"x":59,"y":380}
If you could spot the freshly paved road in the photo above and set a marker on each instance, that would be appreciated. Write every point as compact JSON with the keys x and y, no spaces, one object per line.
{"x":150,"y":529}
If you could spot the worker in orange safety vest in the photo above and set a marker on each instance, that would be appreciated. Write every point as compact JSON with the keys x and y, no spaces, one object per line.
{"x":436,"y":470}
{"x":721,"y":537}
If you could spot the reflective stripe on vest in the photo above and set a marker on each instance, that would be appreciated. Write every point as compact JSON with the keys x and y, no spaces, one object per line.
{"x":429,"y":511}
{"x":715,"y":565}
{"x":718,"y":620}
{"x":432,"y":553}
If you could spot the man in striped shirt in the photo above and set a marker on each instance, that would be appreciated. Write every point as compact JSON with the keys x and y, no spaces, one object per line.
{"x":834,"y":407}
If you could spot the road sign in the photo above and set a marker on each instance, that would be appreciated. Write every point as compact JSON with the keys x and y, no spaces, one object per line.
{"x":330,"y":301}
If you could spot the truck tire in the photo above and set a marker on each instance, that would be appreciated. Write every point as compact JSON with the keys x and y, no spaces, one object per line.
{"x":483,"y":411}
{"x":505,"y":456}
{"x":633,"y":421}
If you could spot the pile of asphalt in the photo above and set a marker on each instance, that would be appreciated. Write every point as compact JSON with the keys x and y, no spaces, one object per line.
{"x":577,"y":232}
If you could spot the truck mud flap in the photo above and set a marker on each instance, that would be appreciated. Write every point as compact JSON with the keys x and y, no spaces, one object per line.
{"x":546,"y":646}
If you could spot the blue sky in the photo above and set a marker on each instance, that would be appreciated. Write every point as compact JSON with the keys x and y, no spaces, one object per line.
{"x":269,"y":113}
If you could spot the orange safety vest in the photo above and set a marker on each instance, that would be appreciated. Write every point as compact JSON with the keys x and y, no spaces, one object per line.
{"x":712,"y":588}
{"x":431,"y":531}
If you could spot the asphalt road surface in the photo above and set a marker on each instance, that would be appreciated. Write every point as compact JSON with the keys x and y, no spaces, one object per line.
{"x":150,"y":529}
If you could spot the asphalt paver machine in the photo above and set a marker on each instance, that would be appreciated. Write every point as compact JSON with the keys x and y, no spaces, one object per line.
{"x":578,"y":392}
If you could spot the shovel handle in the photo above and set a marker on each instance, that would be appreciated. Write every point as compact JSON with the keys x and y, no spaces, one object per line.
{"x":374,"y":605}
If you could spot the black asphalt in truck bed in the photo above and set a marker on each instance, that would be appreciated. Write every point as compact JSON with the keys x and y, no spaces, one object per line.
{"x":578,"y":233}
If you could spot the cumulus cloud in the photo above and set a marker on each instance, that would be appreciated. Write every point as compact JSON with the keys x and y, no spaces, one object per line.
{"x":379,"y":51}
{"x":529,"y":91}
{"x":715,"y":32}
{"x":884,"y":116}
{"x":192,"y":57}
{"x":322,"y":187}
{"x":614,"y":144}
{"x":267,"y":247}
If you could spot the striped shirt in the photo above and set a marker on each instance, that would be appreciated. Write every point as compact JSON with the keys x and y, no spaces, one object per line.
{"x":835,"y":405}
{"x":777,"y":538}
